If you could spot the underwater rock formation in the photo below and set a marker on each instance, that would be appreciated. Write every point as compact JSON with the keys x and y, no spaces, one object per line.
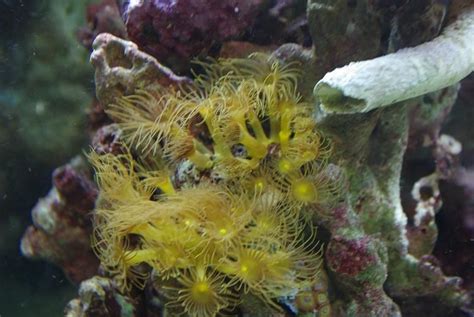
{"x":175,"y":32}
{"x":97,"y":297}
{"x":194,"y":171}
{"x":62,"y":225}
{"x":180,"y":30}
{"x":121,"y":68}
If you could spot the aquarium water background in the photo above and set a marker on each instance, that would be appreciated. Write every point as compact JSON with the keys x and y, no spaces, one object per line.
{"x":45,"y":87}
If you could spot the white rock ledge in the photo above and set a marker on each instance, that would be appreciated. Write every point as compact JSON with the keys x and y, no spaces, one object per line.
{"x":407,"y":73}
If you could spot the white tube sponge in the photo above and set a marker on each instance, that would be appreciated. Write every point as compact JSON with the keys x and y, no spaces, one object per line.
{"x":411,"y":72}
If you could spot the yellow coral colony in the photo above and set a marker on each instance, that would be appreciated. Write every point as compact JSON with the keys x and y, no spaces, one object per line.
{"x":211,"y":203}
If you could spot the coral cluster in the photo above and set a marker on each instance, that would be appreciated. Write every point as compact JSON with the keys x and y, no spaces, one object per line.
{"x":215,"y":203}
{"x":211,"y":188}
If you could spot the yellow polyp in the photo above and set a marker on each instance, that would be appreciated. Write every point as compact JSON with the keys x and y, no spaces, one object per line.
{"x":270,"y":79}
{"x":205,"y":113}
{"x":147,"y":231}
{"x":285,"y":128}
{"x":284,"y":137}
{"x":201,"y":292}
{"x":140,"y":256}
{"x":223,"y":231}
{"x":191,"y":221}
{"x":309,"y":156}
{"x":257,"y":128}
{"x":248,"y":269}
{"x":166,"y":186}
{"x":169,"y":260}
{"x":222,"y":228}
{"x":260,"y":184}
{"x":201,"y":287}
{"x":222,"y":151}
{"x":304,"y":191}
{"x":285,"y":166}
{"x":254,"y":148}
{"x":280,"y":265}
{"x":251,"y":271}
{"x":218,"y":138}
{"x":237,"y":165}
{"x":201,"y":161}
{"x":264,"y":225}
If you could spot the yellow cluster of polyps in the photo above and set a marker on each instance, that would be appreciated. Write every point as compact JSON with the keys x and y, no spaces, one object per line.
{"x":211,"y":242}
{"x":241,"y":232}
{"x":246,"y":103}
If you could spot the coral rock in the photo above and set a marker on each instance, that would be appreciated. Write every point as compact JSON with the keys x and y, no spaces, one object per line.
{"x":96,"y":117}
{"x":99,"y":298}
{"x":120,"y":68}
{"x":62,"y":227}
{"x":179,"y":30}
{"x":107,"y":140}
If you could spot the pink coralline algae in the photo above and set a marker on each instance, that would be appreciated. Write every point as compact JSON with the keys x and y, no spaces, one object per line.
{"x":179,"y":29}
{"x":349,"y":256}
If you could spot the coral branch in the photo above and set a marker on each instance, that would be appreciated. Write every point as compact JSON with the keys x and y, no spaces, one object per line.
{"x":363,"y":86}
